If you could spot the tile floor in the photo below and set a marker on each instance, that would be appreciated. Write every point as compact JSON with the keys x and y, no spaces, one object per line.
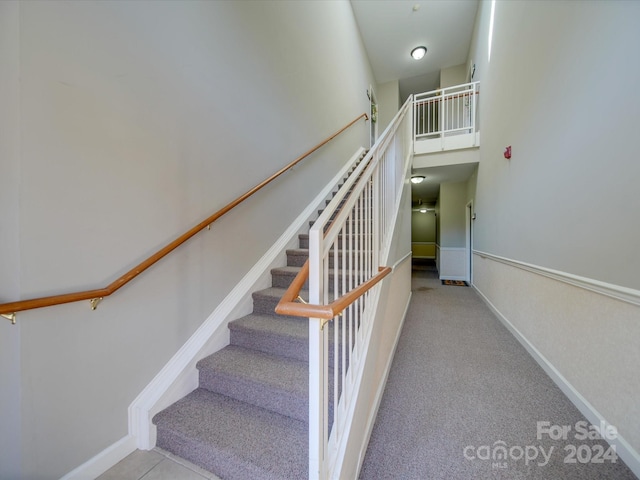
{"x":155,"y":464}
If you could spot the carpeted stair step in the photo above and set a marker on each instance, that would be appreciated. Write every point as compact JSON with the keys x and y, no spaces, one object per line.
{"x":303,"y":239}
{"x":276,"y":335}
{"x":298,"y":256}
{"x":265,"y":301}
{"x":233,"y":439}
{"x":273,"y":382}
{"x":282,"y":277}
{"x":354,"y":221}
{"x":337,"y":211}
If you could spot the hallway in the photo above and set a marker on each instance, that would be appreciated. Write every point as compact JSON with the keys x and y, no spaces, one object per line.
{"x":460,"y":386}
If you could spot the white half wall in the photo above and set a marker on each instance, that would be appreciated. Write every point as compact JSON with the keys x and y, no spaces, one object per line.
{"x":450,"y":157}
{"x":447,"y":143}
{"x":583,"y":333}
{"x":452,"y":263}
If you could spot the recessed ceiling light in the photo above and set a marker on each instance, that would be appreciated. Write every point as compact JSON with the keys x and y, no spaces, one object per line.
{"x":418,"y":52}
{"x":417,"y":179}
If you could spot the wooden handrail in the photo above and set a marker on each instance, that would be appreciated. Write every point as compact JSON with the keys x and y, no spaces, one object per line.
{"x":288,"y":306}
{"x":96,"y":295}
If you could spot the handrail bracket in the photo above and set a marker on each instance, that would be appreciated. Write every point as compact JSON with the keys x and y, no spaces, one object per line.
{"x":324,"y":321}
{"x":10,"y":316}
{"x":94,"y":302}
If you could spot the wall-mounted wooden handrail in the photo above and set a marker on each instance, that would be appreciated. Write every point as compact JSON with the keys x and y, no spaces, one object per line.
{"x":96,"y":295}
{"x":288,"y":306}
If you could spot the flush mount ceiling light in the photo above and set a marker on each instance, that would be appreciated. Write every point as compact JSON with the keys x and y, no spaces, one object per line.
{"x":423,"y":210}
{"x":417,"y":179}
{"x":418,"y":52}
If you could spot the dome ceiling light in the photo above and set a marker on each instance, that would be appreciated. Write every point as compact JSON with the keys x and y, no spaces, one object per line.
{"x":418,"y":52}
{"x":417,"y":179}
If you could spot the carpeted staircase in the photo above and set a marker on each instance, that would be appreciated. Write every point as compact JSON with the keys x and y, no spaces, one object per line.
{"x":248,"y":418}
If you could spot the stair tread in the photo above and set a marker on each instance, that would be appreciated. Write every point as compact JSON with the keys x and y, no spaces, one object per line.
{"x":233,"y":439}
{"x":289,"y":269}
{"x":298,"y":251}
{"x":272,"y":292}
{"x":276,"y":371}
{"x":271,"y":324}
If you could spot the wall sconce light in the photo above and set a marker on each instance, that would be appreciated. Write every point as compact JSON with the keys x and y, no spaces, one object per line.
{"x":417,"y":179}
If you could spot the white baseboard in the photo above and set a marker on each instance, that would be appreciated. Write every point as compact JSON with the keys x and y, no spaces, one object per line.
{"x":624,"y":450}
{"x":179,"y":376}
{"x":96,"y":466}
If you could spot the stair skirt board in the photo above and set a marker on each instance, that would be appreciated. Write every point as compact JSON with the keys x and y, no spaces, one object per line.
{"x":179,"y":377}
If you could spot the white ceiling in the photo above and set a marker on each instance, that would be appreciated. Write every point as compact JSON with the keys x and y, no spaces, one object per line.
{"x":390,"y":29}
{"x":428,"y":190}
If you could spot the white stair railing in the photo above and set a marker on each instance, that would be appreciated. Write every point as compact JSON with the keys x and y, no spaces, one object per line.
{"x":348,"y":245}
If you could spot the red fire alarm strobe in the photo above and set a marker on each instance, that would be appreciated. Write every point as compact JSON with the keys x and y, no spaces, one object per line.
{"x":507,"y":153}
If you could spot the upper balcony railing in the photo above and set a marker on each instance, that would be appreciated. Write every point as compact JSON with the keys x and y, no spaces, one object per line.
{"x":446,"y":119}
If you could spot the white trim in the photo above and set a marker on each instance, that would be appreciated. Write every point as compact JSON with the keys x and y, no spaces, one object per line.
{"x":625,"y":294}
{"x":107,"y":458}
{"x":451,"y":249}
{"x":402,"y":260}
{"x":179,"y":377}
{"x":624,"y":450}
{"x":380,"y":391}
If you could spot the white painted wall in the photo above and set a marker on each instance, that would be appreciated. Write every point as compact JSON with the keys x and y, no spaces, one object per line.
{"x":132,"y":122}
{"x":569,"y":192}
{"x":10,"y":432}
{"x":388,"y":95}
{"x":423,"y":227}
{"x":452,"y":200}
{"x":456,"y":75}
{"x":567,"y":200}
